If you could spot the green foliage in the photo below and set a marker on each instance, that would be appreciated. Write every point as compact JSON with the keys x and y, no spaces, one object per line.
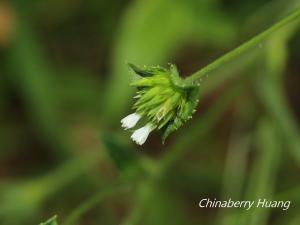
{"x":64,"y":86}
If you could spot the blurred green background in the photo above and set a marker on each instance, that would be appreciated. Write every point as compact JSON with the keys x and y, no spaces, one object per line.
{"x":64,"y":89}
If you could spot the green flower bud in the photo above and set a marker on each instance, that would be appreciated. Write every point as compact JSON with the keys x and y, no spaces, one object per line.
{"x":163,"y":104}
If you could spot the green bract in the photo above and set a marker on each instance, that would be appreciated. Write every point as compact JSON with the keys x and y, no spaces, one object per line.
{"x":163,"y":104}
{"x":51,"y":221}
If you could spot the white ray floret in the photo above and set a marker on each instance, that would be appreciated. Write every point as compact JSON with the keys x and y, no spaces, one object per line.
{"x":130,"y":120}
{"x":139,"y":136}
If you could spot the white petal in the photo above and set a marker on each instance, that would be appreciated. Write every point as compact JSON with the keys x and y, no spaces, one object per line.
{"x":130,"y":120}
{"x":141,"y":135}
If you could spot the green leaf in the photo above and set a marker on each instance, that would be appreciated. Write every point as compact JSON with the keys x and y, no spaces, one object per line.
{"x":121,"y":156}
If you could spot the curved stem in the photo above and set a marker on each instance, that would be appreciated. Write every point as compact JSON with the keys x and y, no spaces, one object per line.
{"x":195,"y":79}
{"x":91,"y":202}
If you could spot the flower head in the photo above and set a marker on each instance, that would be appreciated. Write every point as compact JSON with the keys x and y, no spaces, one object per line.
{"x":164,"y":105}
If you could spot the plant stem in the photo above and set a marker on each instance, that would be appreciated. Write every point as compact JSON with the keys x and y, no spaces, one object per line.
{"x":195,"y":78}
{"x":91,"y":202}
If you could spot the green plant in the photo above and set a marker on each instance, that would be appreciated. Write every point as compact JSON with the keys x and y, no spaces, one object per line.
{"x":167,"y":100}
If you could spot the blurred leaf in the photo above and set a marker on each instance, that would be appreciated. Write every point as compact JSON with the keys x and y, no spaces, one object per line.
{"x":51,"y":221}
{"x":32,"y":76}
{"x":126,"y":160}
{"x":264,"y":172}
{"x":120,"y":155}
{"x":163,"y":203}
{"x":271,"y":93}
{"x":26,"y":198}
